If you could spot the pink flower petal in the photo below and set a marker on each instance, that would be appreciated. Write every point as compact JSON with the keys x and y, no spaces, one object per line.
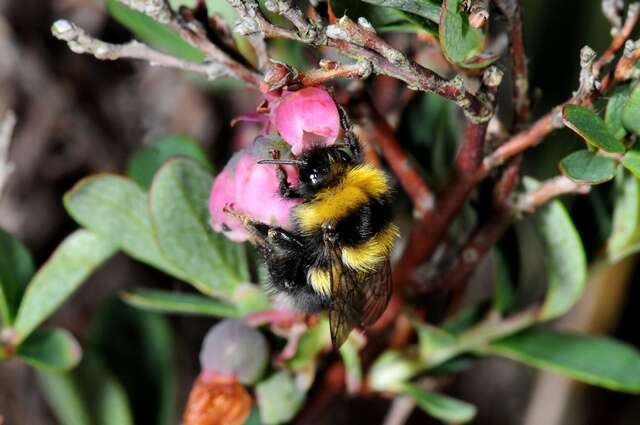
{"x":252,"y":189}
{"x":309,"y":110}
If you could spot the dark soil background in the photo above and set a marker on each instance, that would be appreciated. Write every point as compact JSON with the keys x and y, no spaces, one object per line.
{"x":78,"y":116}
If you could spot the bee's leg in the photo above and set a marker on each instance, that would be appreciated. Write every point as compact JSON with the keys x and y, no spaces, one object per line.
{"x":257,"y":231}
{"x":349,"y":136}
{"x":286,"y":189}
{"x":266,"y":236}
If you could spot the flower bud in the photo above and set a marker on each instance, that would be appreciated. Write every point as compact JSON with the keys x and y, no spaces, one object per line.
{"x":252,"y":189}
{"x":217,"y":400}
{"x":234,"y":350}
{"x":307,"y":117}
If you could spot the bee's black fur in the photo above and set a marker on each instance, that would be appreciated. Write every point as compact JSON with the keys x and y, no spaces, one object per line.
{"x":290,"y":255}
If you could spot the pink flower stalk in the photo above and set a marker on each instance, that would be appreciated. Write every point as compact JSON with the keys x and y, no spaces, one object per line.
{"x":252,"y":189}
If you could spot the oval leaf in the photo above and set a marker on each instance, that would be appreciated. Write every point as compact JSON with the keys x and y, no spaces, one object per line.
{"x":179,"y":303}
{"x":16,"y":268}
{"x":625,"y":236}
{"x":153,"y":33}
{"x":426,"y":9}
{"x":352,"y":365}
{"x":595,"y":360}
{"x":587,"y":167}
{"x":613,"y":115}
{"x":445,"y":408}
{"x":137,"y":348}
{"x":64,"y":398}
{"x":279,"y":398}
{"x":461,"y":44}
{"x":591,"y":128}
{"x":50,"y":349}
{"x":115,"y":208}
{"x":310,"y":345}
{"x":631,"y":162}
{"x":631,"y":111}
{"x":389,"y":18}
{"x":178,"y":200}
{"x":88,"y":395}
{"x":565,"y":258}
{"x":67,"y":268}
{"x":503,"y":294}
{"x":148,"y":159}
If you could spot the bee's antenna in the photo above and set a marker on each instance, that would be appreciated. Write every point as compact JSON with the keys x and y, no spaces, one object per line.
{"x":280,"y":161}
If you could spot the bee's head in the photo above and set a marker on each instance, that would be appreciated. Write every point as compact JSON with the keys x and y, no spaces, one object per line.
{"x":321,"y":167}
{"x":318,"y":167}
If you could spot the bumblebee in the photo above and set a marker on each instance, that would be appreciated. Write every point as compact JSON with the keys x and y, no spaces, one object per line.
{"x":337,"y":256}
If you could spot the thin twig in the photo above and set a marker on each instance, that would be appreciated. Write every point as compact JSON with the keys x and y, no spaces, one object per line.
{"x":620,"y":37}
{"x":193,"y":33}
{"x":490,"y":233}
{"x":626,"y":68}
{"x":397,"y":158}
{"x":79,"y":42}
{"x":547,"y":190}
{"x":478,"y":13}
{"x":612,"y":10}
{"x":7,"y":124}
{"x":360,"y":41}
{"x":521,"y":78}
{"x":331,"y":70}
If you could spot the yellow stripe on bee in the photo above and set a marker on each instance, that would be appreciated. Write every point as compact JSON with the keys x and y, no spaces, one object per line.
{"x":320,"y":281}
{"x":333,"y":203}
{"x":367,"y":255}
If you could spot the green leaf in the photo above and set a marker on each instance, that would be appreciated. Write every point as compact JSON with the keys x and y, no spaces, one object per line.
{"x":426,"y":9}
{"x":387,"y":18}
{"x":254,"y":417}
{"x":625,"y":237}
{"x":89,"y":395}
{"x":588,"y":167}
{"x":442,"y":407}
{"x":16,"y":268}
{"x":178,"y":202}
{"x":631,"y":111}
{"x":178,"y":303}
{"x":564,"y":257}
{"x":591,"y":128}
{"x":153,"y":33}
{"x":67,"y":268}
{"x":279,"y":398}
{"x":310,"y":345}
{"x":631,"y":162}
{"x":461,"y":44}
{"x":148,"y":159}
{"x":618,"y":98}
{"x":352,"y":364}
{"x":64,"y":397}
{"x":250,"y":298}
{"x":392,"y":369}
{"x":50,"y":349}
{"x":137,"y":348}
{"x":103,"y":393}
{"x":115,"y":208}
{"x":503,"y":295}
{"x":434,"y":343}
{"x":595,"y":360}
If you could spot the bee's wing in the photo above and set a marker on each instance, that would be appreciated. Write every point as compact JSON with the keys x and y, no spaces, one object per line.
{"x":356,"y":298}
{"x":377,"y":288}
